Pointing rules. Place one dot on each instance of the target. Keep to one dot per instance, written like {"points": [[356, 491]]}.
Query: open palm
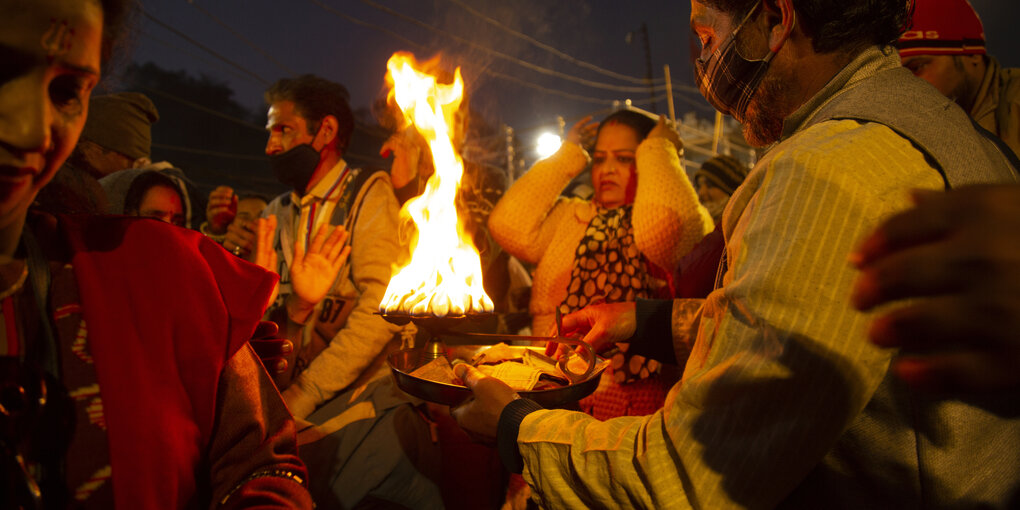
{"points": [[313, 271]]}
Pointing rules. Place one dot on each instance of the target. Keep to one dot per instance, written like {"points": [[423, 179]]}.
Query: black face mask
{"points": [[296, 166], [727, 79]]}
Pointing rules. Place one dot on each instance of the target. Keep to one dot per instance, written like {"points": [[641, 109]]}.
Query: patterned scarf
{"points": [[608, 268]]}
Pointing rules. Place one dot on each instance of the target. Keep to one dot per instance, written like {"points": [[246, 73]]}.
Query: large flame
{"points": [[444, 274]]}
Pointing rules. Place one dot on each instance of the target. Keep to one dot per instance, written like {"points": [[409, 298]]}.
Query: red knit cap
{"points": [[943, 27]]}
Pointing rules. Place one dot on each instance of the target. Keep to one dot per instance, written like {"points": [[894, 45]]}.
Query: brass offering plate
{"points": [[405, 361]]}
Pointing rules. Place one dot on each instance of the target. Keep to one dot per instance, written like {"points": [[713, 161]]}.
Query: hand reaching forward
{"points": [[313, 271], [221, 209], [602, 325], [240, 239], [270, 347]]}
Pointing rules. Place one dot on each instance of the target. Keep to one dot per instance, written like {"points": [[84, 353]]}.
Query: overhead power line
{"points": [[703, 105], [509, 58], [573, 60], [495, 74], [210, 111], [244, 39], [205, 48], [366, 24], [204, 152], [594, 100], [554, 92], [198, 56], [567, 95], [245, 157], [514, 79], [373, 130]]}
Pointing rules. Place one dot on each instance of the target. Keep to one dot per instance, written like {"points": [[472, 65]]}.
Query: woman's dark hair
{"points": [[639, 122], [314, 98], [142, 184], [839, 25]]}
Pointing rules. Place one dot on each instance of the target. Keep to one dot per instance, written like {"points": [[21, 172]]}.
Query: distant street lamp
{"points": [[547, 145]]}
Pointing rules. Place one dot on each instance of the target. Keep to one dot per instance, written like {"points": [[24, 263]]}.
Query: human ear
{"points": [[328, 130], [782, 19]]}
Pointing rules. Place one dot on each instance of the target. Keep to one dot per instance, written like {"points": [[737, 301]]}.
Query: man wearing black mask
{"points": [[327, 301], [325, 304], [783, 402]]}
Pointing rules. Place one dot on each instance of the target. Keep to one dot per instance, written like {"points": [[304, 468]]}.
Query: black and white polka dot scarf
{"points": [[608, 268]]}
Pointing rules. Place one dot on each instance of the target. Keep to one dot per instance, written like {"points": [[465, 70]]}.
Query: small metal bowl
{"points": [[405, 361]]}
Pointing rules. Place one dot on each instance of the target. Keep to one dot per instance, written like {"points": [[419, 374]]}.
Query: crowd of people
{"points": [[831, 326]]}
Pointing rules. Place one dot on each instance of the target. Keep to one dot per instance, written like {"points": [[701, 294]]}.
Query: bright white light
{"points": [[547, 145]]}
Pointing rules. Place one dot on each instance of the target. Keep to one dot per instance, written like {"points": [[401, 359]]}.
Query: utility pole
{"points": [[648, 63], [669, 94], [648, 66]]}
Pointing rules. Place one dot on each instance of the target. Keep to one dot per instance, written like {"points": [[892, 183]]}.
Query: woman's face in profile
{"points": [[49, 63], [614, 165]]}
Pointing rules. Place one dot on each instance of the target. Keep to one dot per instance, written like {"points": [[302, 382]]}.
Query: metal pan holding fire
{"points": [[439, 285], [405, 361]]}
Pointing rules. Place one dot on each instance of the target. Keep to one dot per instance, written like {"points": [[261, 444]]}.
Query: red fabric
{"points": [[639, 398], [268, 492], [697, 271], [165, 308], [943, 27], [10, 327], [473, 476]]}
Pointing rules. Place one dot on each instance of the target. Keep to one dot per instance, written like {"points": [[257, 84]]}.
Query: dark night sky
{"points": [[312, 36]]}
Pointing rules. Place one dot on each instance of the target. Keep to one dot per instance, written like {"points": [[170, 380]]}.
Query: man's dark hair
{"points": [[838, 25], [314, 98]]}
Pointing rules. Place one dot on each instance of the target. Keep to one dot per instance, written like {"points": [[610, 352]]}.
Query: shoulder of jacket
{"points": [[1010, 78]]}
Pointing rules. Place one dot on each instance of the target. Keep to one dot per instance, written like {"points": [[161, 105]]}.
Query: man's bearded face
{"points": [[763, 124]]}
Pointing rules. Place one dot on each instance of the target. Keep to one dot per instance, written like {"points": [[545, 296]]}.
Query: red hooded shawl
{"points": [[165, 308]]}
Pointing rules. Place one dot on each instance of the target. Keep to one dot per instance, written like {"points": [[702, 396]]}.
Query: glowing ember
{"points": [[444, 274]]}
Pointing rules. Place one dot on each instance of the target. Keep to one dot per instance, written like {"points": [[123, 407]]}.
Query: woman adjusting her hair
{"points": [[618, 247]]}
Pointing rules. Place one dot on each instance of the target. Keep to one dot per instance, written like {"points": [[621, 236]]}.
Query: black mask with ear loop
{"points": [[296, 166]]}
